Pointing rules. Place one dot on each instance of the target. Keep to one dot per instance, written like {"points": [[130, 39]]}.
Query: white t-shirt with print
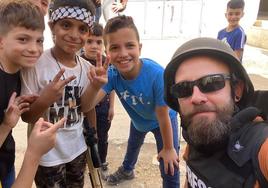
{"points": [[70, 141]]}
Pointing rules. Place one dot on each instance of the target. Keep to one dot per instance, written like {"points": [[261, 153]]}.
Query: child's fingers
{"points": [[58, 75], [170, 169], [28, 98], [91, 74], [99, 60], [10, 109], [24, 110], [66, 81], [38, 125], [107, 62], [12, 99], [23, 107], [57, 125]]}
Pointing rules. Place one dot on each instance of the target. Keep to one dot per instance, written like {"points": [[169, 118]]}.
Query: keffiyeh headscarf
{"points": [[73, 12]]}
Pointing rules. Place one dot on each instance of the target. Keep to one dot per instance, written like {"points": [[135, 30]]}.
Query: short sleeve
{"points": [[158, 89], [29, 81]]}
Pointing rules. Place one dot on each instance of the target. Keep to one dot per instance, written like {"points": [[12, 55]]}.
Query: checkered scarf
{"points": [[73, 12]]}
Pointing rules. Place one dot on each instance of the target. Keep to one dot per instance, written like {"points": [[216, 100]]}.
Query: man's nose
{"points": [[198, 97]]}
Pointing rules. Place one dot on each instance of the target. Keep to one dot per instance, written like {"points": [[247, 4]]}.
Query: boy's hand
{"points": [[43, 137], [16, 107], [118, 7], [170, 158], [98, 75], [53, 91], [29, 98]]}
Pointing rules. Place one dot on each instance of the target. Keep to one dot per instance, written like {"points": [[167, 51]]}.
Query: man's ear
{"points": [[238, 90]]}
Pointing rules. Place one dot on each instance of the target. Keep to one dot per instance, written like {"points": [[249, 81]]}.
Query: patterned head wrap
{"points": [[73, 12]]}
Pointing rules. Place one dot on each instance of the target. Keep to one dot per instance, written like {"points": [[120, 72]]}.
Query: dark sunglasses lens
{"points": [[181, 90], [211, 83]]}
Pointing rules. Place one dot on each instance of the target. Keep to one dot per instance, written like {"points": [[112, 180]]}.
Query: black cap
{"points": [[208, 47]]}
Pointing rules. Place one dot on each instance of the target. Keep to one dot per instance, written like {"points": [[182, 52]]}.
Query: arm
{"points": [[98, 77], [4, 131], [239, 53], [91, 118], [51, 93], [111, 108], [16, 106], [168, 152], [91, 97], [42, 139]]}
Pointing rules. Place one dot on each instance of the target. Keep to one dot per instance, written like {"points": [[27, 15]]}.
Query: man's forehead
{"points": [[196, 67]]}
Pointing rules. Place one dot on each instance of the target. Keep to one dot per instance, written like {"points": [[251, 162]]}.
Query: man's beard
{"points": [[209, 135]]}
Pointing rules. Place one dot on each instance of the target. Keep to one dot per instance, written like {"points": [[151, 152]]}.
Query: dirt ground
{"points": [[146, 172]]}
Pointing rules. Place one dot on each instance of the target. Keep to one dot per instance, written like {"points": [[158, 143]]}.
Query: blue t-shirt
{"points": [[236, 38], [141, 95]]}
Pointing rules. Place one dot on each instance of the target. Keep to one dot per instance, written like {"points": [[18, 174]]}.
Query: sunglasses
{"points": [[205, 84]]}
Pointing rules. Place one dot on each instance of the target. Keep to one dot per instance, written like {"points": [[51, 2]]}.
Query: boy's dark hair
{"points": [[235, 4], [87, 4], [20, 13], [97, 29], [119, 22]]}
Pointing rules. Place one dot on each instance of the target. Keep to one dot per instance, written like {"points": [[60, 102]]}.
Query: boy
{"points": [[234, 34], [21, 44], [60, 77], [42, 4], [104, 109], [139, 86]]}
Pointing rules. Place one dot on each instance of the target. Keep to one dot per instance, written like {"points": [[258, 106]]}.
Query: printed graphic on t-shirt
{"points": [[134, 100], [225, 41], [68, 106]]}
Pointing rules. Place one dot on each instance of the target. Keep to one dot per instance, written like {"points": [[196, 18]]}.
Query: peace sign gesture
{"points": [[98, 74], [53, 91]]}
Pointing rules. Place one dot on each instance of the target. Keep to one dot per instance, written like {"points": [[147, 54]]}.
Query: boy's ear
{"points": [[51, 25], [1, 42], [238, 90], [242, 14], [140, 46]]}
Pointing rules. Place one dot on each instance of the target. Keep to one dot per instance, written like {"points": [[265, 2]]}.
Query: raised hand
{"points": [[43, 136], [16, 106], [117, 7], [98, 74], [53, 91]]}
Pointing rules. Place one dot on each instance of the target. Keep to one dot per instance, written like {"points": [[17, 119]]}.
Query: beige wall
{"points": [[257, 35]]}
